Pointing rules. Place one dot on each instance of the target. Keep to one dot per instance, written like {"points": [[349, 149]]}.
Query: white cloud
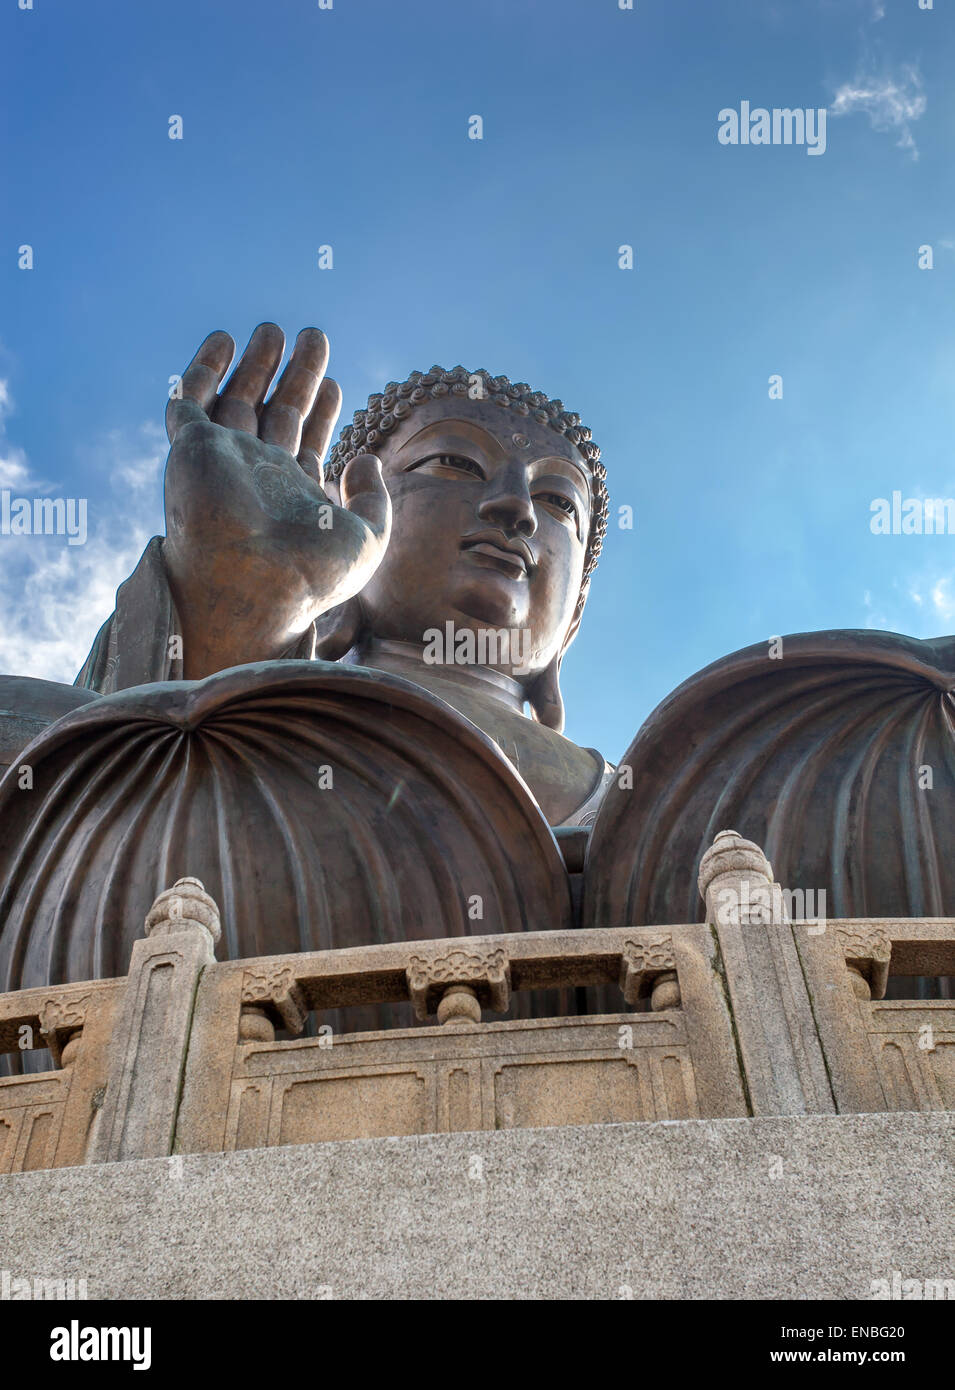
{"points": [[138, 463], [55, 596], [892, 104], [943, 599], [874, 617], [923, 606], [14, 472]]}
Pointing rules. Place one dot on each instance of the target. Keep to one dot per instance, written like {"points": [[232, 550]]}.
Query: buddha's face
{"points": [[491, 519]]}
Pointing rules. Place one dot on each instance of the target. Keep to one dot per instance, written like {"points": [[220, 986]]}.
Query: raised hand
{"points": [[255, 549]]}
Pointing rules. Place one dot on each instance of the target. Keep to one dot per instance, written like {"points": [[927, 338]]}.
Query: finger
{"points": [[241, 399], [281, 419], [200, 382], [364, 493], [319, 428]]}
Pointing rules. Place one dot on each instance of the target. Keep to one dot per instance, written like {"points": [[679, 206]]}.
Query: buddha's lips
{"points": [[511, 561]]}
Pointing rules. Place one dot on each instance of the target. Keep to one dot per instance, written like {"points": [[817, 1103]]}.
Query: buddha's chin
{"points": [[493, 601]]}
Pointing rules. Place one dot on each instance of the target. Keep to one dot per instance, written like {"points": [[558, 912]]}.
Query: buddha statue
{"points": [[278, 705], [456, 505], [332, 693]]}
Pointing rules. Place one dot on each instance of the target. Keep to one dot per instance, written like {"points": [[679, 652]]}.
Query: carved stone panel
{"points": [[485, 1076], [362, 1103], [31, 1115]]}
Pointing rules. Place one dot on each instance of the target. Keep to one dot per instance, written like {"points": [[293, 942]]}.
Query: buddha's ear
{"points": [[544, 697], [575, 620]]}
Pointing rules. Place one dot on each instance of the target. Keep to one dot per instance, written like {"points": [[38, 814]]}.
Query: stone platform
{"points": [[811, 1206]]}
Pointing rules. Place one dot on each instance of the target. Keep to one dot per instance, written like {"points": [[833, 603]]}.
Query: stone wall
{"points": [[795, 1207]]}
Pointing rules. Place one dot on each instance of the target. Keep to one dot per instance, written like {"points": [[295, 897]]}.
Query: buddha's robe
{"points": [[136, 646], [838, 759]]}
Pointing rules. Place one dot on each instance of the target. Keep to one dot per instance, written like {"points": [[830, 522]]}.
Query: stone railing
{"points": [[746, 1014], [48, 1119]]}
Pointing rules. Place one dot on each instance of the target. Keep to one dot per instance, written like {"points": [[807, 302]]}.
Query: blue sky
{"points": [[348, 127]]}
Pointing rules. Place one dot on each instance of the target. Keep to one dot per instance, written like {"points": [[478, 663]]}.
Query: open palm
{"points": [[255, 548]]}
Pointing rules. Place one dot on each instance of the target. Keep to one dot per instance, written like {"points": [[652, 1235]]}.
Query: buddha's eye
{"points": [[562, 503], [455, 463]]}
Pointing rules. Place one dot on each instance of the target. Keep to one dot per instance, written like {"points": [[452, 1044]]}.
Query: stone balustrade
{"points": [[744, 1014]]}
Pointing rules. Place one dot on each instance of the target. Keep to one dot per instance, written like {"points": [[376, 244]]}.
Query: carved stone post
{"points": [[269, 996], [456, 984], [148, 1048], [648, 968], [61, 1027], [779, 1045], [867, 952]]}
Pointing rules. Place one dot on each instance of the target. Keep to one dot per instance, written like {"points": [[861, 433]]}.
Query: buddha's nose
{"points": [[507, 503]]}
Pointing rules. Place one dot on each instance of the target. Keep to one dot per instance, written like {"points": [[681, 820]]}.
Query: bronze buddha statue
{"points": [[499, 507], [299, 629]]}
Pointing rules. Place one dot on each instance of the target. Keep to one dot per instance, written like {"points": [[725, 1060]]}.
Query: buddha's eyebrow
{"points": [[505, 445], [582, 478], [461, 441], [451, 421]]}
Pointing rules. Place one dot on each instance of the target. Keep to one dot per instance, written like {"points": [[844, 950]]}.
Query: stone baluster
{"points": [[271, 996], [255, 1025], [779, 1045], [70, 1048], [149, 1045], [867, 952], [648, 968], [666, 992], [459, 1004], [61, 1027], [455, 984]]}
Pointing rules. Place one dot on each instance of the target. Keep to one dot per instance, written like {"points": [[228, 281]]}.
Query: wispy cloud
{"points": [[14, 471], [891, 104], [136, 463], [55, 596], [923, 606], [943, 598]]}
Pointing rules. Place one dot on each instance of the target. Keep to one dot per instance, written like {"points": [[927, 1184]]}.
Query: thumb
{"points": [[363, 492], [181, 411]]}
